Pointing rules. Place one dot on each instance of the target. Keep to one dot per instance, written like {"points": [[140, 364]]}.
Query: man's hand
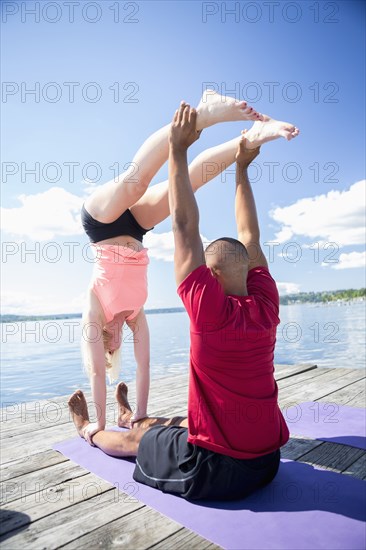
{"points": [[243, 155], [183, 128]]}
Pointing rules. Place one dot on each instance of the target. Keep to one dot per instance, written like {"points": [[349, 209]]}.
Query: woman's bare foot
{"points": [[214, 108], [79, 411], [267, 130], [124, 409]]}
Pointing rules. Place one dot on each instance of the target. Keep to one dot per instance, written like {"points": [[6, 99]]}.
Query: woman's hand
{"points": [[90, 430]]}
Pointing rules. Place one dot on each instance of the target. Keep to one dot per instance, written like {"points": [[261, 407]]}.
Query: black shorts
{"points": [[166, 461]]}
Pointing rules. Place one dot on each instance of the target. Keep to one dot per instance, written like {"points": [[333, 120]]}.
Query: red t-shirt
{"points": [[232, 401]]}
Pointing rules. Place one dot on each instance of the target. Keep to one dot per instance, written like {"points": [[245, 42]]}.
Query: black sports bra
{"points": [[126, 224]]}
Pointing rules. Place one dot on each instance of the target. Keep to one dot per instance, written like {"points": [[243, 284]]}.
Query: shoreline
{"points": [[9, 318], [284, 301]]}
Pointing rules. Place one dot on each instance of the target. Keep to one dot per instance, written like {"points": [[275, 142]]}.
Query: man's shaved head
{"points": [[227, 256]]}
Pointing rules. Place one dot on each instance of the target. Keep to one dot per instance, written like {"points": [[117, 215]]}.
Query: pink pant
{"points": [[120, 279]]}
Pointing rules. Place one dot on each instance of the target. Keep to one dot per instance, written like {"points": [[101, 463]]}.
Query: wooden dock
{"points": [[50, 502]]}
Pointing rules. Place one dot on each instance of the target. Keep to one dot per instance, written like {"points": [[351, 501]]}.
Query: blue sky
{"points": [[302, 62]]}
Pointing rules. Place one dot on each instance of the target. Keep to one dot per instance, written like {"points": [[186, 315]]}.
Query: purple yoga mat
{"points": [[327, 422], [303, 508]]}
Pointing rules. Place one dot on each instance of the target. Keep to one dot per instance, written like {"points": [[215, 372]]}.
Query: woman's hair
{"points": [[112, 360]]}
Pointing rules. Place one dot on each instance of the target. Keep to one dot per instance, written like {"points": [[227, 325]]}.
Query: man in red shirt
{"points": [[229, 444]]}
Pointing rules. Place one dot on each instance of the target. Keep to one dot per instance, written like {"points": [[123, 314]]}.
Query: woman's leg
{"points": [[141, 337], [153, 207], [111, 199]]}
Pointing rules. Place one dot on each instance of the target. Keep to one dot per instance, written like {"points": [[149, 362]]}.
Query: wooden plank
{"points": [[23, 445], [142, 529], [332, 456], [357, 468], [288, 371], [289, 382], [32, 463], [358, 401], [159, 401], [173, 410], [296, 447], [43, 503], [183, 539], [39, 481], [72, 522], [320, 386], [346, 395]]}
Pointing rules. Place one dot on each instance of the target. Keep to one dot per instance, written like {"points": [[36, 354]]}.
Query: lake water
{"points": [[41, 359]]}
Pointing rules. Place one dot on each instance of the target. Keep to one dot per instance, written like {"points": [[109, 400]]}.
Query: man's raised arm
{"points": [[245, 210], [188, 254]]}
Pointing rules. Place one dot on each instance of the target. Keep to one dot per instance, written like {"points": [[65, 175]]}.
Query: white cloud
{"points": [[77, 304], [43, 216], [338, 216], [284, 235], [161, 245], [17, 303], [349, 261], [89, 186], [22, 303], [288, 288]]}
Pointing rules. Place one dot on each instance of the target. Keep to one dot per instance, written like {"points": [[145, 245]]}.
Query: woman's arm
{"points": [[95, 363], [141, 340]]}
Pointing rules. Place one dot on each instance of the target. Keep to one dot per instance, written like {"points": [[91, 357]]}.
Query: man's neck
{"points": [[236, 290]]}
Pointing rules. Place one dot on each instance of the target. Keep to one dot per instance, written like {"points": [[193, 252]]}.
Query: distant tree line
{"points": [[57, 316], [324, 296]]}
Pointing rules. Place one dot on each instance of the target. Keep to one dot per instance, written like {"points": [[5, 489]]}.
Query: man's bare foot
{"points": [[136, 420], [79, 411], [267, 130], [214, 108], [124, 409]]}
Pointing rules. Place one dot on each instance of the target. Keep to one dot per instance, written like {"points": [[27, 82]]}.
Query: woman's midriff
{"points": [[124, 240], [119, 278]]}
